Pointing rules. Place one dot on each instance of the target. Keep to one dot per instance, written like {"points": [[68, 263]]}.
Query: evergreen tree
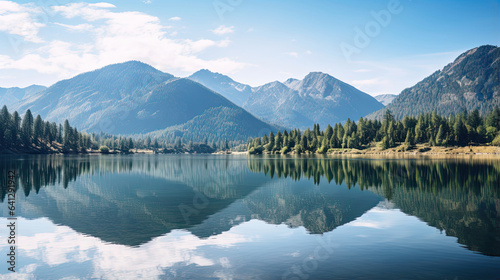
{"points": [[270, 145], [265, 140], [278, 142], [460, 132], [304, 142], [441, 137], [27, 129], [328, 132], [67, 136], [38, 129], [5, 125]]}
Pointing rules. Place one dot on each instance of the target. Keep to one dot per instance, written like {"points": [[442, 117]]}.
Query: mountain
{"points": [[236, 92], [471, 82], [85, 99], [185, 108], [385, 99], [135, 98], [10, 96], [318, 98]]}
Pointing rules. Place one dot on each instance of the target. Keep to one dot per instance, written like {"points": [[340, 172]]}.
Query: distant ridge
{"points": [[470, 82], [10, 96], [318, 98], [236, 92], [385, 99]]}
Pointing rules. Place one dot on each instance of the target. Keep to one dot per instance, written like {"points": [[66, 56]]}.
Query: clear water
{"points": [[239, 217]]}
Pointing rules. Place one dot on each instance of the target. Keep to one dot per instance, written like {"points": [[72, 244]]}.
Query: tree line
{"points": [[34, 135], [458, 130]]}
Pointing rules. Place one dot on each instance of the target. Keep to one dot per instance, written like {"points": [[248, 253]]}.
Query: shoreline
{"points": [[419, 151]]}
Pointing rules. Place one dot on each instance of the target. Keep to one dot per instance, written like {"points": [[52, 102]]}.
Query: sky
{"points": [[378, 46]]}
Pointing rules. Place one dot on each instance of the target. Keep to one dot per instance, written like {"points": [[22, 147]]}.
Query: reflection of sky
{"points": [[382, 240]]}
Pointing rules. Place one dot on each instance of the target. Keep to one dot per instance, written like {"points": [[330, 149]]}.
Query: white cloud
{"points": [[115, 37], [102, 5], [308, 52], [17, 19], [294, 54], [174, 18], [250, 29], [78, 27], [221, 30]]}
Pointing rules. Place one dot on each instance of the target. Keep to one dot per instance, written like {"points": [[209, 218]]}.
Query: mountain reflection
{"points": [[131, 199]]}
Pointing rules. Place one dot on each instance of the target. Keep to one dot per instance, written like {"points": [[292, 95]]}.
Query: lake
{"points": [[251, 217]]}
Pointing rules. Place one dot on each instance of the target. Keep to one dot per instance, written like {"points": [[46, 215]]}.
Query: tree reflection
{"points": [[109, 196]]}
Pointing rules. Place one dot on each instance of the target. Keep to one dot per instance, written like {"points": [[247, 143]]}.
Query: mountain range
{"points": [[135, 98], [318, 98], [10, 96], [470, 82]]}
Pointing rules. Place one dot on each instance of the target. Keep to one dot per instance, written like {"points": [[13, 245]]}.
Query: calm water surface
{"points": [[239, 217]]}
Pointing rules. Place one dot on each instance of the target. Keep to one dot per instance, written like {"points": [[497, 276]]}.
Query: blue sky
{"points": [[377, 46]]}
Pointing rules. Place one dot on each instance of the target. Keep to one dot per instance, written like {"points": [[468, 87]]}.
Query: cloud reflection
{"points": [[63, 245]]}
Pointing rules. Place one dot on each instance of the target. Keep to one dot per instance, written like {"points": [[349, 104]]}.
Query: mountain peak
{"points": [[317, 75], [132, 64], [222, 84], [207, 73], [469, 82], [292, 83]]}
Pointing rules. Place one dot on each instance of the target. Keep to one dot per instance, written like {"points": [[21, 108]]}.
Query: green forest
{"points": [[31, 134], [34, 135], [456, 130]]}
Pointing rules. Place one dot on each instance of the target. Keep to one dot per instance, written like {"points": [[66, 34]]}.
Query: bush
{"points": [[285, 150], [299, 149], [496, 141], [104, 149], [384, 144], [322, 150], [256, 151]]}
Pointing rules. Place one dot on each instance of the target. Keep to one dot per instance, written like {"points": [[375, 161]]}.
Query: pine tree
{"points": [[441, 137], [67, 136], [304, 142], [16, 127], [278, 142], [409, 141], [265, 140], [328, 132], [474, 120], [270, 144], [38, 129], [5, 125], [27, 129], [460, 132]]}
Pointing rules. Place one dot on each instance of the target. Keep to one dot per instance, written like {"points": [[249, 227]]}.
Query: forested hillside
{"points": [[34, 135], [462, 129], [471, 82]]}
